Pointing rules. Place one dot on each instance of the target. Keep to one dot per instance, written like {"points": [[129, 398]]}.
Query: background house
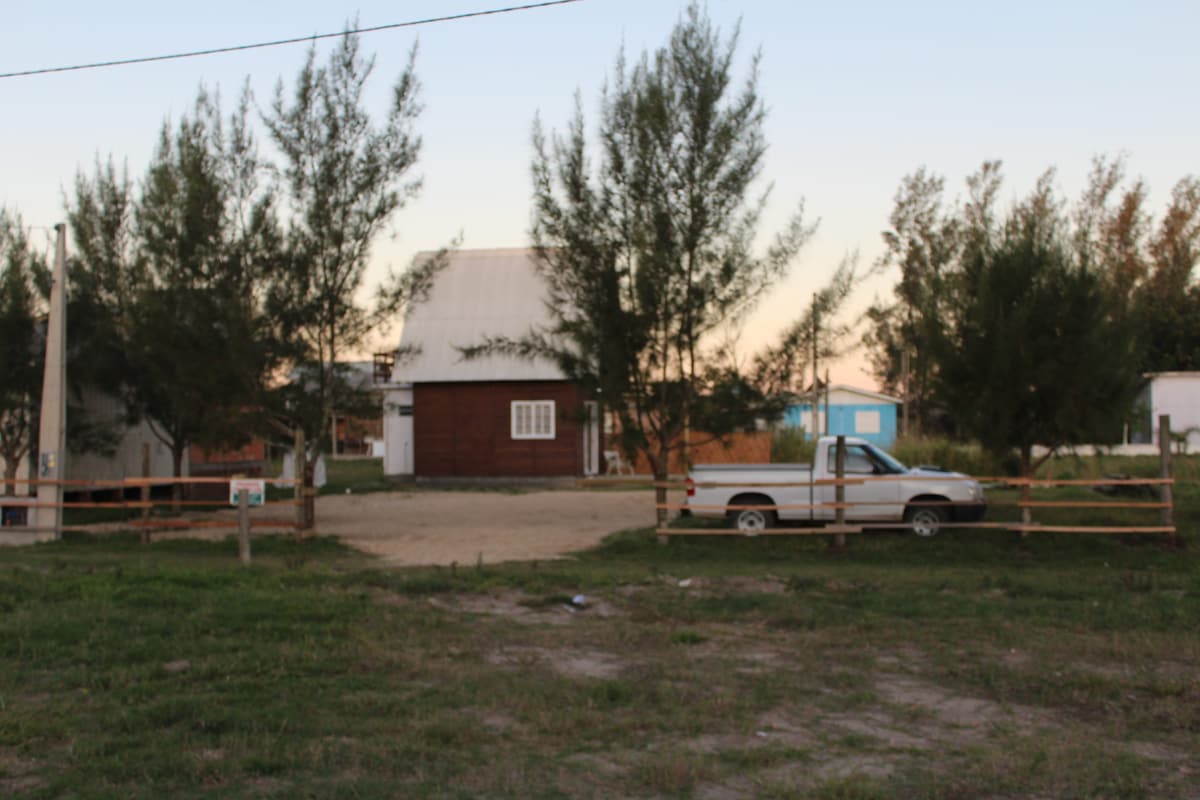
{"points": [[1173, 393], [494, 417], [851, 411], [123, 459]]}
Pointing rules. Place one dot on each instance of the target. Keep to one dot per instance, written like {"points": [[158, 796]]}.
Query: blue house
{"points": [[850, 411]]}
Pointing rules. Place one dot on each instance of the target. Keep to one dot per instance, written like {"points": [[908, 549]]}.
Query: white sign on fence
{"points": [[255, 487]]}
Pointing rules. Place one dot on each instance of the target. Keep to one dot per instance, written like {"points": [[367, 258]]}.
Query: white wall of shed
{"points": [[398, 432], [126, 459], [1178, 395]]}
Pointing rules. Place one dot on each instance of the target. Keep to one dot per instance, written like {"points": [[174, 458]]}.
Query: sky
{"points": [[858, 95]]}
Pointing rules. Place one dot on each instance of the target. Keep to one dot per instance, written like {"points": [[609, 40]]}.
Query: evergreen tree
{"points": [[1167, 307], [344, 178], [189, 332], [650, 252], [22, 349], [1035, 354], [923, 243]]}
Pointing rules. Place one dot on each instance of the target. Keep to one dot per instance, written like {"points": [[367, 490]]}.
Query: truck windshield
{"points": [[892, 464]]}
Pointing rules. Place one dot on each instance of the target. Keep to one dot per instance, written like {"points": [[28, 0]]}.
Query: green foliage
{"points": [[966, 457], [170, 279], [792, 446], [344, 177], [923, 243], [780, 371], [1167, 303], [21, 347], [1035, 353], [1141, 274]]}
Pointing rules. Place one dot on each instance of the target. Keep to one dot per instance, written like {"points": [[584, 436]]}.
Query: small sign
{"points": [[255, 487]]}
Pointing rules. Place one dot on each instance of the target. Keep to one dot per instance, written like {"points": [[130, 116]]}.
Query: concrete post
{"points": [[51, 449]]}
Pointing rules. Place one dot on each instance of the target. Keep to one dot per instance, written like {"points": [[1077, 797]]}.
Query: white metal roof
{"points": [[480, 294], [839, 391]]}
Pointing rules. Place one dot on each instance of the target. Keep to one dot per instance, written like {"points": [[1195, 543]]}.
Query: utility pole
{"points": [[53, 425], [904, 380], [827, 401]]}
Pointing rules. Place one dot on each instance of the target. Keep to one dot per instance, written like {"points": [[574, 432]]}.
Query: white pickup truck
{"points": [[881, 489]]}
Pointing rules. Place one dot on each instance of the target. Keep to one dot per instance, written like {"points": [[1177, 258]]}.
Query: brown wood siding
{"points": [[464, 430]]}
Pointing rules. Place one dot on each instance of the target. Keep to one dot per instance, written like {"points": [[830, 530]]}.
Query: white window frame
{"points": [[532, 419]]}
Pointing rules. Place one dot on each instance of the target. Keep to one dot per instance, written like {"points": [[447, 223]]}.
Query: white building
{"points": [[1176, 394]]}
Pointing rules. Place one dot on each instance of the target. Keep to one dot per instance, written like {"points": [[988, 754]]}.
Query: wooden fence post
{"points": [[244, 526], [1164, 463], [839, 516], [145, 493]]}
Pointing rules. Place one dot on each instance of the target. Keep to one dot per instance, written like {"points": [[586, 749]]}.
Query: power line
{"points": [[294, 40]]}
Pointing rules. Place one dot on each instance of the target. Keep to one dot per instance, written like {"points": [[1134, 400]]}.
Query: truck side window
{"points": [[858, 461]]}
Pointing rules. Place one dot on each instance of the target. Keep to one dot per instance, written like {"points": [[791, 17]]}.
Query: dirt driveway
{"points": [[441, 527]]}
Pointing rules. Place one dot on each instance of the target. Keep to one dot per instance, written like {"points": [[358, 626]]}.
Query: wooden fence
{"points": [[143, 502]]}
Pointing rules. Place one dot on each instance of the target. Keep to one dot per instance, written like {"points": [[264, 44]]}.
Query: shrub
{"points": [[966, 457], [791, 446]]}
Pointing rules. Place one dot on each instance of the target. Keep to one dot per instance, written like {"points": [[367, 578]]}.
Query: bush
{"points": [[791, 446], [966, 457]]}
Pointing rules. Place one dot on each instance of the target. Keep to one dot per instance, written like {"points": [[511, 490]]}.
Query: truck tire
{"points": [[752, 521], [924, 520]]}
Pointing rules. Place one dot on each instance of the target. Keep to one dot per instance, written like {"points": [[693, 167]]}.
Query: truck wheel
{"points": [[925, 520], [752, 521]]}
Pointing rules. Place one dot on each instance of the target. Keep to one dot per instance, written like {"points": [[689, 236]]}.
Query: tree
{"points": [[196, 363], [167, 308], [819, 333], [1168, 305], [651, 251], [102, 270], [1035, 353], [21, 347], [344, 177], [923, 243]]}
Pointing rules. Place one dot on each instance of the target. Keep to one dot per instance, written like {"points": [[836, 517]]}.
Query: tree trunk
{"points": [[10, 475], [1026, 489], [310, 493], [660, 465]]}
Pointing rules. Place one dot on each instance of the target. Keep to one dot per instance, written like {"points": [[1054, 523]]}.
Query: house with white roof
{"points": [[491, 417], [847, 410]]}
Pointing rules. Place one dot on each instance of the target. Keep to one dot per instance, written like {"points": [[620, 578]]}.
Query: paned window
{"points": [[533, 419]]}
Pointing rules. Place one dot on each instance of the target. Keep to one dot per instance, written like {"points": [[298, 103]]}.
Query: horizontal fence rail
{"points": [[145, 504], [1023, 526]]}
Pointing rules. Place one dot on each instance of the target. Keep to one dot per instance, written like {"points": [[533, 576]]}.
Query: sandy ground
{"points": [[441, 527]]}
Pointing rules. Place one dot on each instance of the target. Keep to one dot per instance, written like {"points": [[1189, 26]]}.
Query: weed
{"points": [[688, 637]]}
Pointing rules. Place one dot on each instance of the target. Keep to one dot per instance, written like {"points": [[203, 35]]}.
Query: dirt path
{"points": [[434, 527]]}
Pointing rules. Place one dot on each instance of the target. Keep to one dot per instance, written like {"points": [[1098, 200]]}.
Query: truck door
{"points": [[875, 498]]}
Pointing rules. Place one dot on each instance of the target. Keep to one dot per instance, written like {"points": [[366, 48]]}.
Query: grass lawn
{"points": [[974, 664]]}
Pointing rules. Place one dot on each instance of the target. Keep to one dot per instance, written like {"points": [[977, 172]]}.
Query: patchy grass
{"points": [[966, 665]]}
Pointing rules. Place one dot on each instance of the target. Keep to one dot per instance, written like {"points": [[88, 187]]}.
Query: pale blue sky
{"points": [[859, 95]]}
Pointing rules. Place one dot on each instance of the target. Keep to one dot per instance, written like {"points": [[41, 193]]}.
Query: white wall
{"points": [[126, 460], [1177, 394], [398, 431]]}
